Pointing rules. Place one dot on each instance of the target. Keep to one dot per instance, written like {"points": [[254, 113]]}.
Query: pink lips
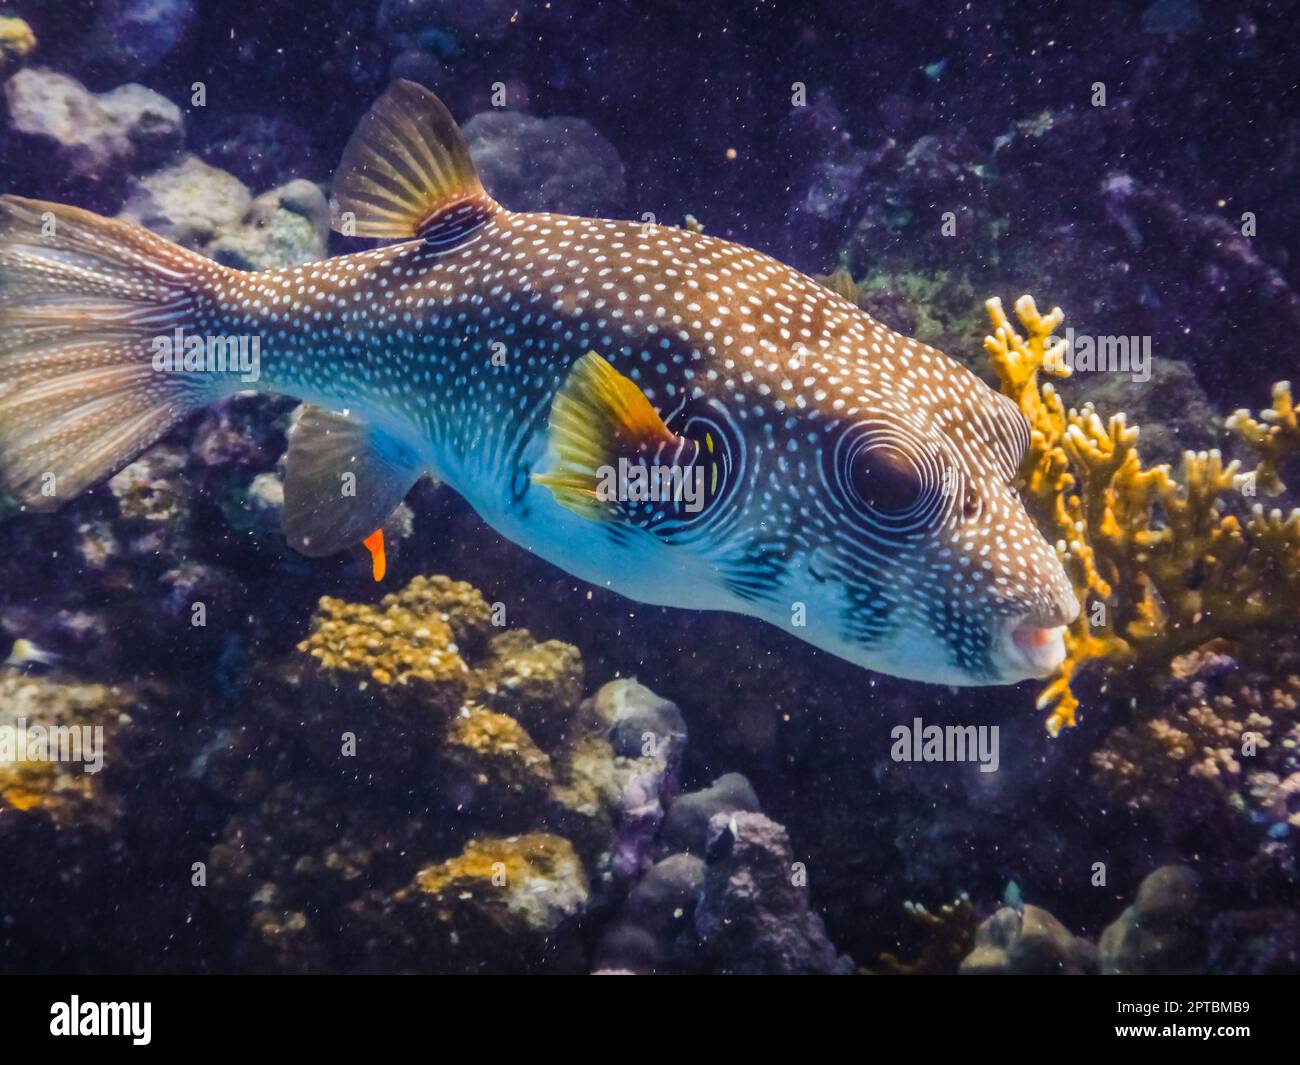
{"points": [[1040, 650]]}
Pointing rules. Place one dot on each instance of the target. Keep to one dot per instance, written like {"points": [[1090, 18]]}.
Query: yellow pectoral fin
{"points": [[597, 417]]}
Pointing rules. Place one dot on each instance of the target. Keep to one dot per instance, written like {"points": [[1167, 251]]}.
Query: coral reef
{"points": [[677, 916], [949, 934], [476, 839], [86, 145], [1028, 941], [1215, 760], [54, 740], [1161, 565], [935, 306], [1163, 932], [753, 915], [209, 210], [512, 804], [501, 905], [1173, 927], [403, 651]]}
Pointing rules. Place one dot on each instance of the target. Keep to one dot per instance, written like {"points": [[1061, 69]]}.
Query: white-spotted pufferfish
{"points": [[852, 486]]}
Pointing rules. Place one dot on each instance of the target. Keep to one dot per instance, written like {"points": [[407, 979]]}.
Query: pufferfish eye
{"points": [[885, 479], [889, 481]]}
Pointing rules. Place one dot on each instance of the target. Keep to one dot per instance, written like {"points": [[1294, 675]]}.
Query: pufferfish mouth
{"points": [[1035, 648]]}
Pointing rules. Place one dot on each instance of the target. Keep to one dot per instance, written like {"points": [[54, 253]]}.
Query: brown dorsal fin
{"points": [[406, 173]]}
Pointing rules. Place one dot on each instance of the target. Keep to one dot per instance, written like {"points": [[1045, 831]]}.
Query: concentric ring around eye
{"points": [[723, 463], [1008, 434], [887, 478]]}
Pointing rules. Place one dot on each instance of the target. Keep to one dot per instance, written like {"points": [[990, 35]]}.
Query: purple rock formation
{"points": [[686, 828], [753, 917]]}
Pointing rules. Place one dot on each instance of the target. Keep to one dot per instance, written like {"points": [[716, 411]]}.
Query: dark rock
{"points": [[1163, 931], [753, 917], [638, 717], [448, 25], [648, 736], [686, 826], [654, 930], [261, 150]]}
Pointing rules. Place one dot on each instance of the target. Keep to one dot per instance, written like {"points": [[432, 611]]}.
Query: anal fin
{"points": [[343, 478]]}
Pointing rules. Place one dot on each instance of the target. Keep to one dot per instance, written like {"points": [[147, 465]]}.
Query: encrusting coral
{"points": [[408, 652], [480, 804], [1163, 565], [514, 888], [51, 769], [1215, 761]]}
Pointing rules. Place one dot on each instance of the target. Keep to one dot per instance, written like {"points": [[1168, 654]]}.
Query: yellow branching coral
{"points": [[1161, 566], [1275, 436], [950, 934]]}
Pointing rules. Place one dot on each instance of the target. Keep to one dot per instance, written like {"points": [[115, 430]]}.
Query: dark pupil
{"points": [[885, 480]]}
